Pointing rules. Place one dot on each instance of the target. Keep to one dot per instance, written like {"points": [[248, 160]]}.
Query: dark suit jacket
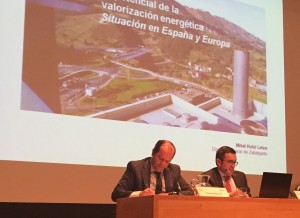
{"points": [[238, 177], [137, 178]]}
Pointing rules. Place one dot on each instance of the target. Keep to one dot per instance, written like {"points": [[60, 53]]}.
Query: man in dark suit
{"points": [[225, 175], [152, 175]]}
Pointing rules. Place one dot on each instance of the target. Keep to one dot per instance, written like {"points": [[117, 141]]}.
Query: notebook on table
{"points": [[275, 185]]}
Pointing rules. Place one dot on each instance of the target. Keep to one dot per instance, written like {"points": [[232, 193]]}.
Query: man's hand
{"points": [[147, 192]]}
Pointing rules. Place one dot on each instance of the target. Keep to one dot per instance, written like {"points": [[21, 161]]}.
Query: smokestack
{"points": [[240, 84]]}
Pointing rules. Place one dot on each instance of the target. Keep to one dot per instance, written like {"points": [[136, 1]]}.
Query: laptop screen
{"points": [[275, 185]]}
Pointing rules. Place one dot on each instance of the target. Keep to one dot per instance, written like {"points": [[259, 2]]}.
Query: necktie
{"points": [[227, 184], [158, 188]]}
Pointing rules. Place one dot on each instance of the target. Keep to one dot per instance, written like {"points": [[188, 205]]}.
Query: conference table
{"points": [[179, 206]]}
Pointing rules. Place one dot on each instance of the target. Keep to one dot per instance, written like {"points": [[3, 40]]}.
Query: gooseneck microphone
{"points": [[178, 192], [178, 189]]}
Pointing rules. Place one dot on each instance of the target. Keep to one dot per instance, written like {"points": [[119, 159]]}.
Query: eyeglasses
{"points": [[231, 162]]}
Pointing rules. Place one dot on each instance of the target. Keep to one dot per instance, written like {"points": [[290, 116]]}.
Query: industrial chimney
{"points": [[240, 84]]}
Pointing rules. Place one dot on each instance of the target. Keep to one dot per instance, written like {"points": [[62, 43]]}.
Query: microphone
{"points": [[178, 189], [178, 192]]}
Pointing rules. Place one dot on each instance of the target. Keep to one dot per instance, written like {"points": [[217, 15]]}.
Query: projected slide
{"points": [[104, 75], [157, 62]]}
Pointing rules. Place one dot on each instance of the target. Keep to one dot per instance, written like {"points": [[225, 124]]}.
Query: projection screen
{"points": [[99, 82]]}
